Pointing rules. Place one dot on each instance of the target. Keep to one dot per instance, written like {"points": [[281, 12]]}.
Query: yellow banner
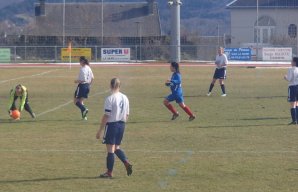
{"points": [[75, 54]]}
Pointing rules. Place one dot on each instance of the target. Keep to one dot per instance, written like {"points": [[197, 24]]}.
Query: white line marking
{"points": [[29, 76], [148, 151], [67, 103]]}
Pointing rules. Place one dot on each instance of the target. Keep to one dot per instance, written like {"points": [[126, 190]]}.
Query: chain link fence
{"points": [[52, 54]]}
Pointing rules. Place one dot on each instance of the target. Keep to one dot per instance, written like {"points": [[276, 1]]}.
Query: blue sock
{"points": [[293, 114], [110, 161], [296, 113], [82, 107], [121, 155]]}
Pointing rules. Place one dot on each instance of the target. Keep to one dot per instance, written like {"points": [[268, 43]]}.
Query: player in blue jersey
{"points": [[221, 62], [292, 78], [177, 93], [84, 82], [116, 111]]}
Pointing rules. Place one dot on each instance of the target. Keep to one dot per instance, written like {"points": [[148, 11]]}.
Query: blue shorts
{"points": [[293, 93], [82, 91], [220, 73], [114, 133], [175, 97]]}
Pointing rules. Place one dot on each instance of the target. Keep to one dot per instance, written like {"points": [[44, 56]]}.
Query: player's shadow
{"points": [[46, 179], [263, 118], [232, 126]]}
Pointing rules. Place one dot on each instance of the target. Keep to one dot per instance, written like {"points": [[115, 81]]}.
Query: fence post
{"points": [[15, 54], [56, 54]]}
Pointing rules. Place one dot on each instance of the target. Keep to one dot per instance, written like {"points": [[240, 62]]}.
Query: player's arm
{"points": [[176, 80], [225, 61], [103, 123], [11, 99], [289, 76]]}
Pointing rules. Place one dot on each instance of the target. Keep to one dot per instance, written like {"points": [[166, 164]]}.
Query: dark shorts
{"points": [[293, 93], [114, 133], [82, 91], [220, 73], [175, 97]]}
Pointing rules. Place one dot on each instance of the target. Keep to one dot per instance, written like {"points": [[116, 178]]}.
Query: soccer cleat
{"points": [[191, 118], [106, 175], [209, 93], [175, 116], [128, 169], [223, 95], [293, 123], [85, 119], [84, 114], [33, 115]]}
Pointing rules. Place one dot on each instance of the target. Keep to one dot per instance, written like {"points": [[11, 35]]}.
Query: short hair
{"points": [[295, 59], [115, 83], [84, 60]]}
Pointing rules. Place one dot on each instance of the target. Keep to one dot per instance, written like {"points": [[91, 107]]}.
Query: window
{"points": [[292, 31], [264, 29]]}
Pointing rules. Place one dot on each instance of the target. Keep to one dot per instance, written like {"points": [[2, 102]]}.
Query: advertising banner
{"points": [[5, 55], [239, 54], [115, 54], [277, 54], [75, 54]]}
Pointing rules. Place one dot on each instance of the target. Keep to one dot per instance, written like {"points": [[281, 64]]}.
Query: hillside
{"points": [[197, 16]]}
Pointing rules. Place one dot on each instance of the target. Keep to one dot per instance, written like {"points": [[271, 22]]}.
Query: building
{"points": [[95, 23], [264, 22]]}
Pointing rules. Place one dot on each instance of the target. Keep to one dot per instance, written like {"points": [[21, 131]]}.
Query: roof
{"points": [[85, 19], [263, 4]]}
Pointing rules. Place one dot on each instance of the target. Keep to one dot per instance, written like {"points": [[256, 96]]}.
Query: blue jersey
{"points": [[176, 83]]}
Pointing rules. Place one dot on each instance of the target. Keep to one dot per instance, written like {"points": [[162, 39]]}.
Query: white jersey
{"points": [[86, 74], [117, 107], [292, 76], [221, 61]]}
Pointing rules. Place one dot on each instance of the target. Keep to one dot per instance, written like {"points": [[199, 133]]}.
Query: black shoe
{"points": [[293, 123], [191, 118], [105, 175], [128, 169], [175, 116]]}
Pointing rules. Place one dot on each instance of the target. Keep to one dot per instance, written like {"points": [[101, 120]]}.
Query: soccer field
{"points": [[238, 143]]}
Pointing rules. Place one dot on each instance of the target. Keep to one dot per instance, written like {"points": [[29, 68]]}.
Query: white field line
{"points": [[28, 76], [67, 103], [151, 151]]}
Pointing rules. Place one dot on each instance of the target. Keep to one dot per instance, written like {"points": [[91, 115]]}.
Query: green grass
{"points": [[240, 143]]}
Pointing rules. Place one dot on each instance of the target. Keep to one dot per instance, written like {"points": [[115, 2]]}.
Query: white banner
{"points": [[115, 54], [277, 54]]}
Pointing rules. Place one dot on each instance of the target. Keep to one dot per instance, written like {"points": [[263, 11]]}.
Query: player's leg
{"points": [[28, 108], [119, 152], [292, 99], [79, 99], [109, 141], [293, 112], [187, 110], [222, 86], [211, 86], [168, 105], [110, 160]]}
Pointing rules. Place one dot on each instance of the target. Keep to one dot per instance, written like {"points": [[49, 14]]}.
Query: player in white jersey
{"points": [[292, 78], [116, 111], [84, 81], [221, 62]]}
